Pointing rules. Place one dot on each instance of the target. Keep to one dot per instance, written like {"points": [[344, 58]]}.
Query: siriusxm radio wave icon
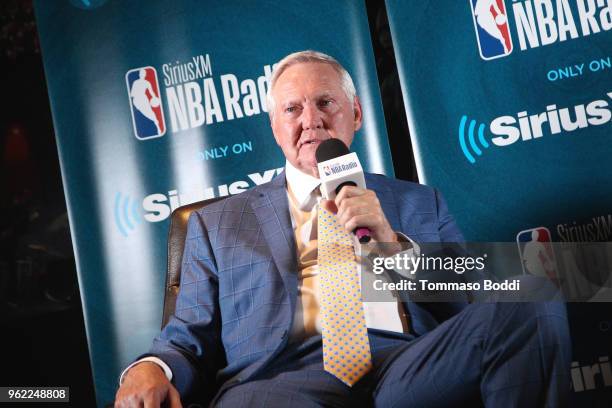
{"points": [[126, 214], [471, 138]]}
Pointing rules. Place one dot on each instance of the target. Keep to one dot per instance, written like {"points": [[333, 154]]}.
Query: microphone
{"points": [[338, 167]]}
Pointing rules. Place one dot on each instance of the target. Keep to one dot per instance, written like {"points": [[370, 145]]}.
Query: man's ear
{"points": [[358, 113]]}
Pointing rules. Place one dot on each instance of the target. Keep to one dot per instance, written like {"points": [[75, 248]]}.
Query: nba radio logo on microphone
{"points": [[492, 28], [145, 103]]}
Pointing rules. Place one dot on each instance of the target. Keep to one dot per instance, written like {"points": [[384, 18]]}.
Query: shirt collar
{"points": [[301, 185]]}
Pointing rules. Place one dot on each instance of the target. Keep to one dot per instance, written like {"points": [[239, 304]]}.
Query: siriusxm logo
{"points": [[509, 129], [126, 214], [146, 106], [129, 213], [597, 229], [471, 138], [592, 376], [537, 23]]}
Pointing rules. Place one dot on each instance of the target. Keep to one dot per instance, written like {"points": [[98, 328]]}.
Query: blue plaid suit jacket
{"points": [[239, 281]]}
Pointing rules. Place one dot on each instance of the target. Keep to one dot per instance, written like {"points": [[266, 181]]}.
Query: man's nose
{"points": [[312, 117]]}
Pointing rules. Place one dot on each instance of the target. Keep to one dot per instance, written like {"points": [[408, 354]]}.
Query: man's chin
{"points": [[307, 163], [307, 153], [309, 168]]}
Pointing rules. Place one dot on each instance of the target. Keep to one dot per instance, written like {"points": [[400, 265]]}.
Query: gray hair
{"points": [[309, 56]]}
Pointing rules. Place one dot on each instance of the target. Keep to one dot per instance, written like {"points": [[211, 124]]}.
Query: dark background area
{"points": [[44, 341]]}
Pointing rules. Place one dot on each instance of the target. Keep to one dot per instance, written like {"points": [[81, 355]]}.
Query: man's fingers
{"points": [[330, 206], [345, 215], [152, 400], [366, 220], [127, 400], [357, 198], [357, 207], [347, 192], [145, 386], [174, 399]]}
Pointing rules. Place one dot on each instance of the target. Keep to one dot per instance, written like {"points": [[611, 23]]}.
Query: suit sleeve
{"points": [[191, 341], [449, 232], [448, 229]]}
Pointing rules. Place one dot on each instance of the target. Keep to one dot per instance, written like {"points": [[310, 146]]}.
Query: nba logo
{"points": [[536, 252], [143, 93], [326, 170], [492, 28]]}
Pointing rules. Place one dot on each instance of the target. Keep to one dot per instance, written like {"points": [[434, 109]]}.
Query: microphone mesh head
{"points": [[330, 149]]}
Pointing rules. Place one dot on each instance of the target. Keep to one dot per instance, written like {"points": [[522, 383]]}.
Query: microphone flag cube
{"points": [[339, 171]]}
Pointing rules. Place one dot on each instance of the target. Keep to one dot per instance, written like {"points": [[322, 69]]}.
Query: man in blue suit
{"points": [[246, 330]]}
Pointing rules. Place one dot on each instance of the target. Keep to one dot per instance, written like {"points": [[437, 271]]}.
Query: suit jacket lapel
{"points": [[271, 207]]}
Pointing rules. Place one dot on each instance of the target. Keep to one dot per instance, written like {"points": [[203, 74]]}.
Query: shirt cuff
{"points": [[158, 361], [413, 250]]}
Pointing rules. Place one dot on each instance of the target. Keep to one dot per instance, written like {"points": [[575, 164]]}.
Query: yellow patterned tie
{"points": [[346, 349]]}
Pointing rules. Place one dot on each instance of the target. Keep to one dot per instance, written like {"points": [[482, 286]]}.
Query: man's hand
{"points": [[145, 385], [358, 207]]}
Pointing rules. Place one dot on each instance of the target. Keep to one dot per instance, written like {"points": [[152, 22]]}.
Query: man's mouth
{"points": [[310, 142]]}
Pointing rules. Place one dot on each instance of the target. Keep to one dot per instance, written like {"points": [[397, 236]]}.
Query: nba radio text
{"points": [[196, 98], [545, 22]]}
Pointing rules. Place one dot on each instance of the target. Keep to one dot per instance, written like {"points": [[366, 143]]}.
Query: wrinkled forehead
{"points": [[310, 79]]}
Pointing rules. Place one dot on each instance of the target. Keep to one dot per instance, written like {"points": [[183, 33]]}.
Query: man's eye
{"points": [[290, 109], [325, 102]]}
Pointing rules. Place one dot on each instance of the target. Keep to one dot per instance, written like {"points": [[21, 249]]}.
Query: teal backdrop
{"points": [[509, 108], [554, 180], [157, 104]]}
